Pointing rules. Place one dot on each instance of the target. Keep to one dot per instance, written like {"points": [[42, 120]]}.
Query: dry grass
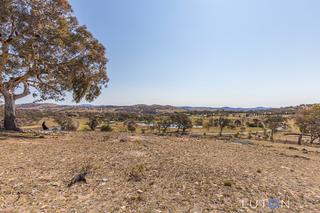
{"points": [[153, 174]]}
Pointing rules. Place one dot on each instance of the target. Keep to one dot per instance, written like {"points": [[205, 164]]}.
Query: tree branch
{"points": [[12, 30], [25, 92]]}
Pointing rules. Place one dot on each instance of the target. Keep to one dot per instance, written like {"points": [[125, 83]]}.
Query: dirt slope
{"points": [[134, 173]]}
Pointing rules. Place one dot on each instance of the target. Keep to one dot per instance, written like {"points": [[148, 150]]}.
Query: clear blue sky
{"points": [[208, 52]]}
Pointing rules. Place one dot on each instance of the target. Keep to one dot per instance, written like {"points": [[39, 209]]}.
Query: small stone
{"points": [[54, 184], [227, 183]]}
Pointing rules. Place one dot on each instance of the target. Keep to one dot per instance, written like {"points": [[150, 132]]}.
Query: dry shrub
{"points": [[66, 123], [135, 173], [105, 128]]}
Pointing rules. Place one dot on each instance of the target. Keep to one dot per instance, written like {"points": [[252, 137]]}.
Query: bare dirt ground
{"points": [[136, 173]]}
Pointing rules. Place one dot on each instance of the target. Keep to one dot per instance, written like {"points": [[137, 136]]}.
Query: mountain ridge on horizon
{"points": [[151, 106]]}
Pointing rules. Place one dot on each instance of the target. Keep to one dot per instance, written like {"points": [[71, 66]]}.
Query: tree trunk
{"points": [[313, 139], [272, 133], [300, 139], [220, 133], [10, 113]]}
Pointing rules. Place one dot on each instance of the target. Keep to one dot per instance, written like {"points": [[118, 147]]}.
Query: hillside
{"points": [[147, 173]]}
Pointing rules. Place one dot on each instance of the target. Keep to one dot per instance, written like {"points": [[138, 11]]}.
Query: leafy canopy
{"points": [[42, 46]]}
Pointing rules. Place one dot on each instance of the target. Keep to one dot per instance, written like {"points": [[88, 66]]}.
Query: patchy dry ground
{"points": [[134, 173]]}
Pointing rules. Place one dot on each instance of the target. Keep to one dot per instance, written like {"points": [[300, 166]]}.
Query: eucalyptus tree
{"points": [[222, 122], [45, 52], [308, 121], [273, 123]]}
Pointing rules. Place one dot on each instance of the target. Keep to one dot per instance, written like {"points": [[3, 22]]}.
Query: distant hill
{"points": [[238, 109], [139, 108]]}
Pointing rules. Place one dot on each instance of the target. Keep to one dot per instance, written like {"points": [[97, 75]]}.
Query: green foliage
{"points": [[106, 128], [44, 50], [237, 123], [273, 123], [66, 123], [182, 121], [308, 121], [131, 126], [222, 123], [163, 123], [198, 121], [93, 123], [136, 172], [64, 55]]}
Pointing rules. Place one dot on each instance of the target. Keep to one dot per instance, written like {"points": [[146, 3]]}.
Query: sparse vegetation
{"points": [[105, 128], [181, 121], [158, 158], [46, 58], [66, 123], [222, 123], [308, 121], [93, 123], [131, 126], [136, 172], [273, 123]]}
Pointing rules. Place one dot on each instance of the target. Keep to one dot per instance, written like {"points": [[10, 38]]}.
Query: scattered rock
{"points": [[81, 177], [293, 148], [55, 184], [122, 140], [227, 183], [302, 157]]}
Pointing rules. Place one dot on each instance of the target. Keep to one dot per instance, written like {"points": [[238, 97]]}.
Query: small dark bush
{"points": [[131, 126], [106, 128], [135, 173], [93, 123], [66, 123]]}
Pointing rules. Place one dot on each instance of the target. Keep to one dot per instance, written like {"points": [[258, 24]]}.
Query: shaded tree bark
{"points": [[271, 136], [10, 113], [300, 139], [220, 132], [10, 98]]}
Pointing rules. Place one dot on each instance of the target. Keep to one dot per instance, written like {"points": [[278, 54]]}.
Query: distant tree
{"points": [[44, 50], [131, 126], [211, 122], [222, 123], [273, 123], [148, 119], [256, 122], [105, 128], [308, 121], [93, 123], [198, 122], [206, 125], [237, 123], [66, 123], [163, 123], [242, 129], [182, 121]]}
